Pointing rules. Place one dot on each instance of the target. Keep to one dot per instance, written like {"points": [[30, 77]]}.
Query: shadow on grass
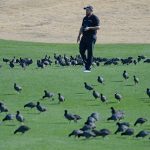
{"points": [[79, 93], [112, 102], [144, 98], [10, 125], [58, 123], [129, 85], [117, 81], [9, 94]]}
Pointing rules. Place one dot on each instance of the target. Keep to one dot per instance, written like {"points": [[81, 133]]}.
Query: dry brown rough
{"points": [[58, 21]]}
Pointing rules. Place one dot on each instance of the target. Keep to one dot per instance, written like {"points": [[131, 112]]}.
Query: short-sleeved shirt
{"points": [[91, 21]]}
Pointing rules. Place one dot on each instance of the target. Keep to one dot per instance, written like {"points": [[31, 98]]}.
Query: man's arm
{"points": [[80, 33], [92, 28]]}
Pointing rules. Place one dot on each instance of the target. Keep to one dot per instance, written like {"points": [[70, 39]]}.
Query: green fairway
{"points": [[49, 130]]}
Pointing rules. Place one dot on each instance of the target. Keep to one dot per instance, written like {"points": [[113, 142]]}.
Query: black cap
{"points": [[89, 7]]}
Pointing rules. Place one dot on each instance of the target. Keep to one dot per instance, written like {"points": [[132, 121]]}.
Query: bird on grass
{"points": [[22, 129], [30, 105], [148, 92], [76, 133], [95, 115], [128, 132], [118, 97], [3, 108], [125, 75], [113, 111], [100, 79], [121, 127], [87, 134], [95, 94], [136, 80], [102, 132], [40, 108], [88, 87], [11, 64], [8, 117], [47, 94], [118, 115], [103, 98], [71, 117], [19, 117], [17, 88], [140, 121], [61, 98], [142, 134]]}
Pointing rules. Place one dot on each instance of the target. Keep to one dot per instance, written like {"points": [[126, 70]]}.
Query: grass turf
{"points": [[49, 130]]}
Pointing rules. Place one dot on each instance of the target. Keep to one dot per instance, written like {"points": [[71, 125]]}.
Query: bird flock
{"points": [[63, 60], [89, 128]]}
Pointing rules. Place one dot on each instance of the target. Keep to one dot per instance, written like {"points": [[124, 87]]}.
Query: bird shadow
{"points": [[94, 85], [117, 81], [10, 125], [58, 123], [93, 105], [111, 102], [143, 98], [9, 94], [129, 85], [79, 93], [31, 113]]}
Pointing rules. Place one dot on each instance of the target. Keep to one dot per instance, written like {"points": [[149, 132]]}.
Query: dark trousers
{"points": [[87, 44]]}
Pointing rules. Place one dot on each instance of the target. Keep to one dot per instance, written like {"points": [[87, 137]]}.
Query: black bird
{"points": [[103, 98], [30, 105], [8, 117], [6, 60], [22, 129], [148, 92], [87, 134], [88, 126], [117, 116], [121, 127], [76, 133], [11, 64], [100, 79], [142, 134], [17, 88], [40, 108], [3, 108], [96, 94], [128, 132], [61, 98], [95, 115], [136, 79], [70, 117], [19, 117], [113, 111], [47, 94], [87, 87], [125, 75], [102, 132], [118, 97], [140, 121]]}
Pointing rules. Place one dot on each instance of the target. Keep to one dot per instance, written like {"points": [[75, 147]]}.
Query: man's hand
{"points": [[78, 39], [87, 28]]}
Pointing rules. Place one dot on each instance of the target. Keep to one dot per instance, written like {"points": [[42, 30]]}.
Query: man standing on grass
{"points": [[88, 30]]}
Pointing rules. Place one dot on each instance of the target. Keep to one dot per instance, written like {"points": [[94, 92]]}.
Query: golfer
{"points": [[88, 30]]}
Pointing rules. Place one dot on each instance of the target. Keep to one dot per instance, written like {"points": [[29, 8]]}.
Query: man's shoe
{"points": [[87, 71]]}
